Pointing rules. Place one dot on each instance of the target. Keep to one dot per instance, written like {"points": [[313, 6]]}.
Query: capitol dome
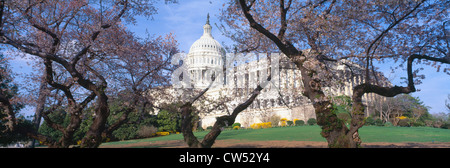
{"points": [[205, 54], [206, 51]]}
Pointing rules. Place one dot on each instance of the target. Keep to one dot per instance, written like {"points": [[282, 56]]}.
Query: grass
{"points": [[404, 134], [312, 133]]}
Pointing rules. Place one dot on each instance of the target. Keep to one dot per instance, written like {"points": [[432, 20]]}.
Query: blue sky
{"points": [[186, 19]]}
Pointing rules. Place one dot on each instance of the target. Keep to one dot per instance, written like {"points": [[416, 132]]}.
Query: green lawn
{"points": [[312, 133]]}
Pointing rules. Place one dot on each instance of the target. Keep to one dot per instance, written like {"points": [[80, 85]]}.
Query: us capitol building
{"points": [[281, 97]]}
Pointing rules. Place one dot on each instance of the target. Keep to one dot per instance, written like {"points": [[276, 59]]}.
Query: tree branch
{"points": [[94, 35], [360, 90], [381, 35], [287, 48]]}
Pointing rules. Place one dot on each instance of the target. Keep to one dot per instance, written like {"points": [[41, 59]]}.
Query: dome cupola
{"points": [[206, 46], [205, 53]]}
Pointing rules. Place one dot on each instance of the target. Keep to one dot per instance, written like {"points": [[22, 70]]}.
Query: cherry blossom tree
{"points": [[140, 66], [313, 34], [72, 39]]}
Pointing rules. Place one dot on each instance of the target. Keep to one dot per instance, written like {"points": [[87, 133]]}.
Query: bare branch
{"points": [[287, 48], [382, 34], [94, 35]]}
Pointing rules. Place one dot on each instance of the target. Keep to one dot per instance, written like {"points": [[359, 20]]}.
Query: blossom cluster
{"points": [[261, 125]]}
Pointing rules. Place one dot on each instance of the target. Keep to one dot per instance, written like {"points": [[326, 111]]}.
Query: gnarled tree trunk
{"points": [[93, 137]]}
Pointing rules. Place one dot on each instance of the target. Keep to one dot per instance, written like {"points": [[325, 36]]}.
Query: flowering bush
{"points": [[267, 125], [402, 117], [283, 122], [261, 125], [162, 133]]}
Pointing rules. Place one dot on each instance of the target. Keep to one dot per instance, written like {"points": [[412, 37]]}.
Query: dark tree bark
{"points": [[10, 115], [43, 89], [93, 137]]}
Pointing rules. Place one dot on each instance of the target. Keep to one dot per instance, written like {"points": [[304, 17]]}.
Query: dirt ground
{"points": [[277, 144]]}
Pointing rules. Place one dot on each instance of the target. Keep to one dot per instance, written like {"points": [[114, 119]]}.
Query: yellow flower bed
{"points": [[402, 117], [162, 133], [261, 125]]}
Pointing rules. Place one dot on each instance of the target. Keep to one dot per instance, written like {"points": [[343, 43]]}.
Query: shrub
{"points": [[283, 122], [404, 123], [275, 120], [402, 117], [255, 126], [299, 122], [162, 133], [261, 125], [437, 124], [147, 131], [388, 124], [267, 125], [446, 125], [378, 122], [429, 123], [125, 132], [417, 124], [289, 123], [236, 127], [312, 121], [200, 128], [370, 121], [236, 124], [168, 121]]}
